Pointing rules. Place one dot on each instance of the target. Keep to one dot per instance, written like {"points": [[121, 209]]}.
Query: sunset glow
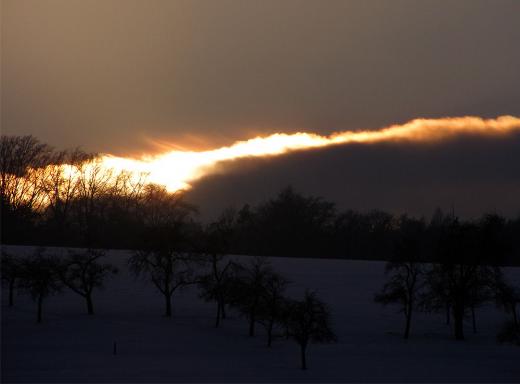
{"points": [[178, 169]]}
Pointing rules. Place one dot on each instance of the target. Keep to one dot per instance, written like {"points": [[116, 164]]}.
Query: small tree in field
{"points": [[83, 272], [248, 287], [11, 270], [164, 254], [40, 278], [460, 278], [402, 289], [507, 297], [215, 285], [308, 321], [406, 272], [167, 269], [271, 308]]}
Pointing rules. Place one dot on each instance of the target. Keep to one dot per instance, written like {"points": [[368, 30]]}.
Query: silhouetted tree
{"points": [[40, 278], [93, 186], [493, 246], [82, 272], [507, 297], [216, 243], [11, 273], [22, 159], [164, 254], [288, 225], [494, 241], [167, 269], [248, 287], [350, 233], [308, 321], [407, 271], [61, 188], [380, 233], [271, 304], [460, 278], [217, 285]]}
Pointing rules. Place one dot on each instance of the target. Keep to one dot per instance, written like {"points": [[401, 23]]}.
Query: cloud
{"points": [[472, 174], [178, 169]]}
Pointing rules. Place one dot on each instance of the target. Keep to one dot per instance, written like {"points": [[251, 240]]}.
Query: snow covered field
{"points": [[71, 346]]}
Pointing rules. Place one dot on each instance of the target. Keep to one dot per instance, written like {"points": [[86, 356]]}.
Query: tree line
{"points": [[67, 198]]}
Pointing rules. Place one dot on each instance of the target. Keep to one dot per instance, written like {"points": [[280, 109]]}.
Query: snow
{"points": [[71, 346]]}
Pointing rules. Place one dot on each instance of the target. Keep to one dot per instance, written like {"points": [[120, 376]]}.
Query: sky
{"points": [[127, 77]]}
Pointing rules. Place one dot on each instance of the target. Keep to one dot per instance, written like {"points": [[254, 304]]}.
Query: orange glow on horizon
{"points": [[177, 169]]}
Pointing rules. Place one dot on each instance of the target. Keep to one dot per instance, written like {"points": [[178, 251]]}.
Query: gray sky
{"points": [[117, 75], [111, 75]]}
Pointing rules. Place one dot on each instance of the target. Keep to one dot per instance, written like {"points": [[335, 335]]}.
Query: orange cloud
{"points": [[177, 169]]}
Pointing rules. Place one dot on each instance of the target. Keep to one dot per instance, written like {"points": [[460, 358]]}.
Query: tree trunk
{"points": [[168, 302], [303, 357], [408, 322], [473, 319], [217, 320], [252, 325], [90, 304], [223, 309], [222, 304], [270, 332], [515, 318], [458, 317], [11, 292], [40, 308], [448, 313]]}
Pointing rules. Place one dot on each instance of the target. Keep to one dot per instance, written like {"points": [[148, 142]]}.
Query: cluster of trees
{"points": [[177, 254], [294, 225], [254, 290], [42, 275], [69, 198], [465, 272]]}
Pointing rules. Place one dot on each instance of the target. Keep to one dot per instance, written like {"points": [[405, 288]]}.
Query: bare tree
{"points": [[406, 271], [94, 183], [167, 269], [249, 287], [159, 208], [308, 321], [272, 303], [507, 297], [165, 255], [82, 272], [40, 278], [402, 289], [11, 273], [19, 157], [22, 160], [460, 278], [61, 185], [215, 285]]}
